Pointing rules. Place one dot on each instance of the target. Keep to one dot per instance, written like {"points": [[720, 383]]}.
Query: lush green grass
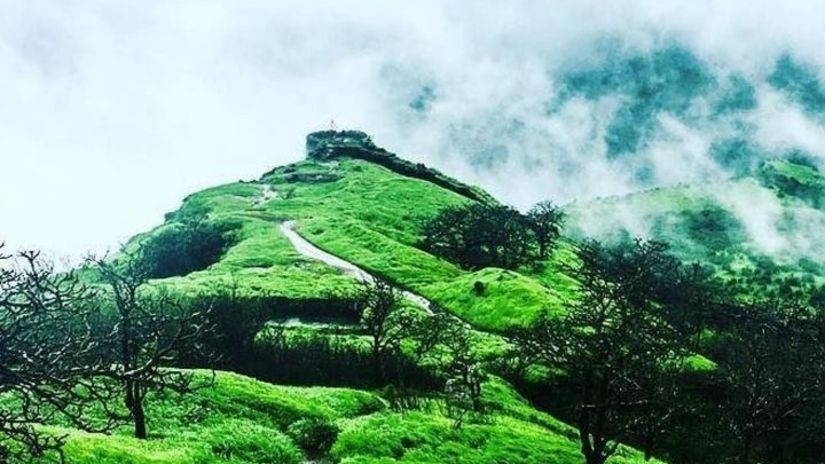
{"points": [[236, 420], [240, 420], [364, 214], [506, 298], [512, 432]]}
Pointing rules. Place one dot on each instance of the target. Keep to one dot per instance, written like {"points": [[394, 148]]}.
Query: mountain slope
{"points": [[760, 231], [246, 421], [367, 215], [359, 211]]}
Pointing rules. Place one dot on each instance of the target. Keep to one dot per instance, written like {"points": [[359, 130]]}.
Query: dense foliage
{"points": [[183, 247], [477, 236]]}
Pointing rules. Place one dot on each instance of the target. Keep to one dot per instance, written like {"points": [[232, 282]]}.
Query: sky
{"points": [[112, 112]]}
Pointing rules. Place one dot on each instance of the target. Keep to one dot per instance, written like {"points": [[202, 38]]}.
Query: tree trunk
{"points": [[594, 458], [140, 421], [377, 364], [746, 451], [138, 414], [648, 447], [134, 403], [591, 454]]}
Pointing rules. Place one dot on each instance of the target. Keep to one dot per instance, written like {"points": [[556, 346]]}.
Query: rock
{"points": [[320, 146]]}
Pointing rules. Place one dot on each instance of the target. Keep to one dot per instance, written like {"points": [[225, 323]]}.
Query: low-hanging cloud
{"points": [[111, 112]]}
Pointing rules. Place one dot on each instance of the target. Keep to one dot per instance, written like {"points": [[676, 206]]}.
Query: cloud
{"points": [[111, 113]]}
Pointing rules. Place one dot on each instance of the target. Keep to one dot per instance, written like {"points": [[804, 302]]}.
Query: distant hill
{"points": [[761, 229]]}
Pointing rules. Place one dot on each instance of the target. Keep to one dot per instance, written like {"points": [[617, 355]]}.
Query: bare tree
{"points": [[150, 331], [611, 344], [464, 372], [772, 368], [378, 305], [47, 355]]}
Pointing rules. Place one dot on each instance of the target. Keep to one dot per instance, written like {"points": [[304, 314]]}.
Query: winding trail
{"points": [[309, 250], [267, 193]]}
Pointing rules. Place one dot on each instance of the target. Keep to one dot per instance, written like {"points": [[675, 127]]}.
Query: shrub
{"points": [[185, 247], [315, 436], [478, 287]]}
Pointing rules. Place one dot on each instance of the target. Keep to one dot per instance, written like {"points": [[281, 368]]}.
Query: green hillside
{"points": [[361, 212], [277, 260], [760, 230], [366, 208], [242, 420]]}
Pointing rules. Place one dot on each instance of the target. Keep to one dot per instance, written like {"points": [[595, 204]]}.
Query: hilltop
{"points": [[366, 212]]}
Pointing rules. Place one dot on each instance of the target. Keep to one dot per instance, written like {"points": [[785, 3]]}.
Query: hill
{"points": [[366, 213], [275, 257], [759, 231], [297, 237]]}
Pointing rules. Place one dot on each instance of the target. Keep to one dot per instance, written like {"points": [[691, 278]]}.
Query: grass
{"points": [[367, 215], [237, 420], [241, 420], [513, 432]]}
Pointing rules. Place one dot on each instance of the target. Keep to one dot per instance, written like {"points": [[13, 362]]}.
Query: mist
{"points": [[111, 113]]}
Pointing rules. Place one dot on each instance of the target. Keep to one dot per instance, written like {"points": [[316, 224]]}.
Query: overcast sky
{"points": [[112, 112]]}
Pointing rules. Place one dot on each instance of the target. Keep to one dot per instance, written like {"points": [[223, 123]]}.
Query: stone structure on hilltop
{"points": [[321, 145]]}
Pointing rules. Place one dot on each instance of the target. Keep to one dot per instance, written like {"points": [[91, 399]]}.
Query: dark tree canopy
{"points": [[479, 235], [182, 247], [614, 345], [545, 220], [772, 372]]}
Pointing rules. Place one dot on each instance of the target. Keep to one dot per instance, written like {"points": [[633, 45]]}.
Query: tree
{"points": [[546, 221], [463, 370], [772, 372], [192, 243], [148, 332], [448, 347], [478, 236], [47, 355], [378, 305], [613, 344]]}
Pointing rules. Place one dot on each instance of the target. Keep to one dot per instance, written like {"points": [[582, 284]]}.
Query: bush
{"points": [[479, 236], [315, 436], [478, 287], [184, 247]]}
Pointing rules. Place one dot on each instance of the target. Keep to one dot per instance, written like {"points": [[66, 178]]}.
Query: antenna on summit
{"points": [[332, 126]]}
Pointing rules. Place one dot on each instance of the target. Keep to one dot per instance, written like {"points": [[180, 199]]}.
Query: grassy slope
{"points": [[365, 214], [370, 216], [243, 421], [743, 227]]}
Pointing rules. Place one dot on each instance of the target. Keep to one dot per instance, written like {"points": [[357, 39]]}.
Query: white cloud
{"points": [[111, 112]]}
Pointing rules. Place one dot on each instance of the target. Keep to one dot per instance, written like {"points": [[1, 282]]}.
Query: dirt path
{"points": [[309, 250], [266, 194]]}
